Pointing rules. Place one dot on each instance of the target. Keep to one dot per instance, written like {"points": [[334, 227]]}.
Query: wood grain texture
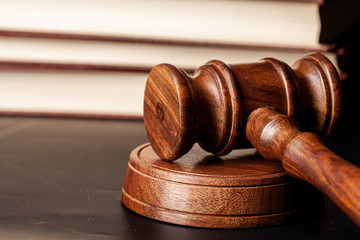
{"points": [[211, 105], [240, 190], [304, 155]]}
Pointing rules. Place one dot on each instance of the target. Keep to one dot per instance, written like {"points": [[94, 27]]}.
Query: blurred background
{"points": [[88, 58]]}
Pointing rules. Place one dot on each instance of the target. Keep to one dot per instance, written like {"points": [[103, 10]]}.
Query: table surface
{"points": [[62, 179]]}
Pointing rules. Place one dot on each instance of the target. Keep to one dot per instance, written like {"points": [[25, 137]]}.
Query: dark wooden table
{"points": [[62, 178]]}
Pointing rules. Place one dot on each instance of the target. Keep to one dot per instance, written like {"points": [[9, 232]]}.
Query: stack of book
{"points": [[85, 58]]}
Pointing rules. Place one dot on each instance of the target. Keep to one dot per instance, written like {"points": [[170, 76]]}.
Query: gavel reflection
{"points": [[223, 107]]}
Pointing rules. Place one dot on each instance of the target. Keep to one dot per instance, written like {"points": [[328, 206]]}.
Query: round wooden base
{"points": [[239, 190]]}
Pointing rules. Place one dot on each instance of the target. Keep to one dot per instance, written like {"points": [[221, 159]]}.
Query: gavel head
{"points": [[212, 105]]}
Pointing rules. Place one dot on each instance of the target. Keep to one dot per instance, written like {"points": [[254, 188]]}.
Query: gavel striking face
{"points": [[211, 106]]}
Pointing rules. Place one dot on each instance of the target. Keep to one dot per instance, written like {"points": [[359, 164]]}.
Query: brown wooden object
{"points": [[211, 106], [240, 190], [304, 156]]}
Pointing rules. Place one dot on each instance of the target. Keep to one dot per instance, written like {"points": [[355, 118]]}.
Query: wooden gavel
{"points": [[213, 105], [223, 106]]}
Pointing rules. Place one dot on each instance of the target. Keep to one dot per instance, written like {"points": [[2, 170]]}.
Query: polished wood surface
{"points": [[304, 155], [61, 179], [211, 106], [240, 190]]}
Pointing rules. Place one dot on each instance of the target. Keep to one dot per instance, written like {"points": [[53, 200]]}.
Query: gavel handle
{"points": [[304, 155]]}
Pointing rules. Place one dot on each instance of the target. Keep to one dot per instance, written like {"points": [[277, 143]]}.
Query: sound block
{"points": [[239, 190]]}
